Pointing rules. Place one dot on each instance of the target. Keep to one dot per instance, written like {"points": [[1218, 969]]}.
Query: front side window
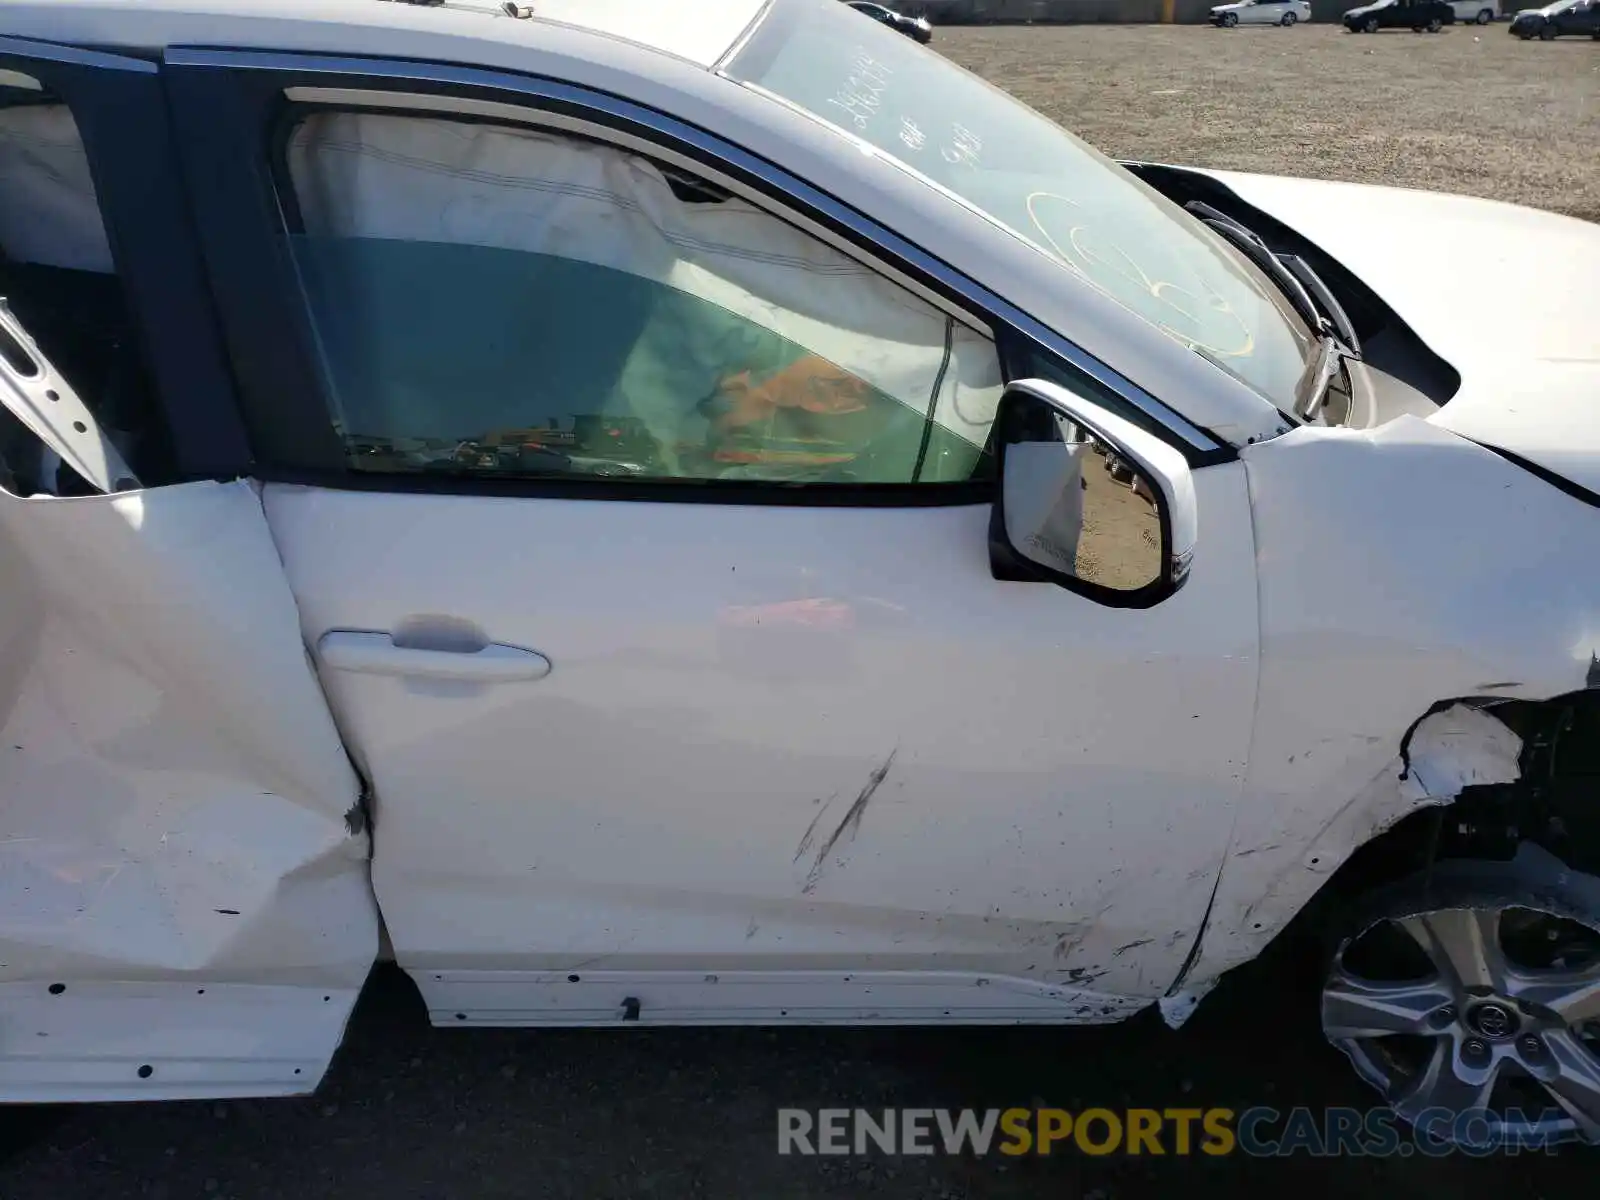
{"points": [[994, 154], [498, 299]]}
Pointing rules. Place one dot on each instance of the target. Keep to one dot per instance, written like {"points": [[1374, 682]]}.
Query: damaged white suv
{"points": [[711, 514]]}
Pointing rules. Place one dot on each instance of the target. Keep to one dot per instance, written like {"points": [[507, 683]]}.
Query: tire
{"points": [[1229, 20], [1288, 20], [1548, 33], [1484, 17], [1435, 25], [1370, 25], [1469, 988]]}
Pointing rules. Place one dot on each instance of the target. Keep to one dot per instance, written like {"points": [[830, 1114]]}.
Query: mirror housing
{"points": [[1122, 533]]}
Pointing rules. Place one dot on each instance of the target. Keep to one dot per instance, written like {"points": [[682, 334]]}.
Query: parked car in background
{"points": [[916, 28], [1261, 12], [1415, 15], [1480, 12], [1563, 17]]}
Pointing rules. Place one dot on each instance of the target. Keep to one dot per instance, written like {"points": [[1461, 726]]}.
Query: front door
{"points": [[650, 588]]}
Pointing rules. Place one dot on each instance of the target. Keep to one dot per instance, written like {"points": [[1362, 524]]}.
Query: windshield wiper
{"points": [[1299, 282], [1258, 252]]}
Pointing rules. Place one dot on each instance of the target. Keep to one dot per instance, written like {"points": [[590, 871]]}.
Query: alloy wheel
{"points": [[1491, 1008], [1372, 25], [1485, 16]]}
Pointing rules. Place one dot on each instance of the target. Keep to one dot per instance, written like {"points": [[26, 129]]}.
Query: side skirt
{"points": [[554, 998]]}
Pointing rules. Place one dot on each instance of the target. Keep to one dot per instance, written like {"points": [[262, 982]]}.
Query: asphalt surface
{"points": [[412, 1112]]}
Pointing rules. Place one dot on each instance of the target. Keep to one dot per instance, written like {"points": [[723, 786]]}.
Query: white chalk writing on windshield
{"points": [[963, 148], [863, 89]]}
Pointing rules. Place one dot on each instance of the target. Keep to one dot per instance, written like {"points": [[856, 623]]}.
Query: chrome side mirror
{"points": [[1087, 500]]}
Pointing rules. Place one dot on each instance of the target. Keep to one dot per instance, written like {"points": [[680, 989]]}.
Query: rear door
{"points": [[184, 904], [638, 513]]}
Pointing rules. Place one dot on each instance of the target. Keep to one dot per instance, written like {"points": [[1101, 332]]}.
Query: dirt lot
{"points": [[1470, 109], [409, 1112]]}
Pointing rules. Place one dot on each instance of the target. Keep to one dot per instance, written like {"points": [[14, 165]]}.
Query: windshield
{"points": [[992, 153]]}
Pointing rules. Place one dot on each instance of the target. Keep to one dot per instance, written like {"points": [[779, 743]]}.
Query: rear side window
{"points": [[500, 300], [57, 276]]}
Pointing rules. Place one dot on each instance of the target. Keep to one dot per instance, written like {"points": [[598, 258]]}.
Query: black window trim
{"points": [[214, 91]]}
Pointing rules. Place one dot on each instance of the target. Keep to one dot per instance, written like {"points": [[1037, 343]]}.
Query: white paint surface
{"points": [[699, 34], [1047, 781], [1370, 614], [173, 798], [775, 745], [1265, 12], [1532, 386], [1460, 747], [171, 1039]]}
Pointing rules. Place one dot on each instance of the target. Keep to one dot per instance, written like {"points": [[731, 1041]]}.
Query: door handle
{"points": [[369, 653]]}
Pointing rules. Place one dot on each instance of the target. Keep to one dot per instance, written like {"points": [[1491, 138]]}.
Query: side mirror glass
{"points": [[1088, 500]]}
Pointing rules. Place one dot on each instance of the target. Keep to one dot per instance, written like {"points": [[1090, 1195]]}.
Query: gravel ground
{"points": [[411, 1112], [1470, 109]]}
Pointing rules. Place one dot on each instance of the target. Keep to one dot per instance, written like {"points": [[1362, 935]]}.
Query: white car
{"points": [[1480, 12], [1261, 12], [598, 505]]}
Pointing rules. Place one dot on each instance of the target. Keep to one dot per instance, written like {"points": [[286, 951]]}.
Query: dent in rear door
{"points": [[183, 882]]}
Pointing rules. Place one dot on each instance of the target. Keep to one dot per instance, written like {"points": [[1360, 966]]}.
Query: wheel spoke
{"points": [[1574, 996], [1361, 1008], [1464, 944], [1446, 1082], [1576, 1084]]}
